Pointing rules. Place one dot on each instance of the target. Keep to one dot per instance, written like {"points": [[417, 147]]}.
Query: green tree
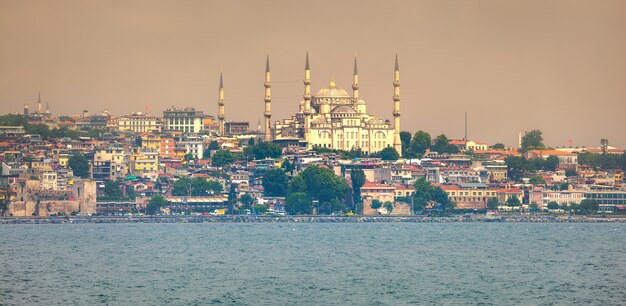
{"points": [[588, 206], [498, 146], [532, 140], [222, 158], [513, 201], [275, 183], [388, 206], [195, 187], [287, 166], [79, 165], [298, 203], [389, 153], [155, 204], [357, 176], [537, 180], [189, 157], [247, 200], [320, 184], [493, 203], [112, 189], [551, 163], [13, 120], [553, 205], [376, 204], [267, 149], [442, 145], [516, 165], [213, 146], [420, 142], [405, 138]]}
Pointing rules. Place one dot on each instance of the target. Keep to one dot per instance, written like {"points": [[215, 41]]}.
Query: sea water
{"points": [[313, 263]]}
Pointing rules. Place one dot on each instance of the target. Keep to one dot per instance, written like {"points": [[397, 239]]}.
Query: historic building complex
{"points": [[335, 119]]}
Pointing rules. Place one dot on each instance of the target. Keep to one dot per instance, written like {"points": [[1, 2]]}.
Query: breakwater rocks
{"points": [[309, 219]]}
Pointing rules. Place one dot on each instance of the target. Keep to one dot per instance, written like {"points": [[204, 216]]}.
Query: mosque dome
{"points": [[343, 109], [332, 91]]}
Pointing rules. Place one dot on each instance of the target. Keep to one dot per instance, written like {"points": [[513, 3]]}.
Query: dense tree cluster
{"points": [[195, 187], [275, 183], [519, 166], [222, 158], [263, 150], [532, 140], [425, 193], [323, 185], [79, 165]]}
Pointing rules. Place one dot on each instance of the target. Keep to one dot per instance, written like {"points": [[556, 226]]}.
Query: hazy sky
{"points": [[559, 66]]}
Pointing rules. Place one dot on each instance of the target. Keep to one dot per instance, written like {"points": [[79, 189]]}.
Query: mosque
{"points": [[334, 119], [331, 118]]}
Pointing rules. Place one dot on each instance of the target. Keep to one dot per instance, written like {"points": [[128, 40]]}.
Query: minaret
{"points": [[355, 82], [26, 110], [47, 108], [220, 103], [39, 106], [397, 143], [268, 101], [307, 98]]}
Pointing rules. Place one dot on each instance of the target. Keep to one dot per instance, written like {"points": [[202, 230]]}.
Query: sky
{"points": [[557, 66]]}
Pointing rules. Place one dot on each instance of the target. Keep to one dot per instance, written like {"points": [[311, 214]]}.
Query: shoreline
{"points": [[308, 219]]}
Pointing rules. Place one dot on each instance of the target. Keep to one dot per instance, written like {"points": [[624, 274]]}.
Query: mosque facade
{"points": [[335, 119]]}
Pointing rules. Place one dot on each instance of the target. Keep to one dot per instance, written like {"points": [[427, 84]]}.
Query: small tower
{"points": [[355, 82], [307, 98], [220, 103], [397, 143], [39, 105], [268, 101], [26, 110]]}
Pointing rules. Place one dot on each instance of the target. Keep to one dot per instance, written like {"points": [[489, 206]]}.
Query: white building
{"points": [[140, 123], [334, 119]]}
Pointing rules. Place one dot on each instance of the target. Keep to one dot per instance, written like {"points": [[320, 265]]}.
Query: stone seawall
{"points": [[305, 219]]}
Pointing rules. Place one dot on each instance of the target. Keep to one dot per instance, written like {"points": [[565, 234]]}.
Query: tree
{"points": [[112, 189], [388, 206], [79, 165], [604, 145], [357, 176], [389, 153], [513, 201], [425, 193], [264, 150], [588, 206], [420, 143], [551, 163], [213, 146], [189, 157], [570, 172], [13, 120], [287, 166], [247, 200], [275, 183], [532, 140], [537, 180], [405, 138], [232, 196], [442, 145], [195, 187], [320, 184], [376, 204], [222, 158], [553, 205], [516, 165], [493, 203], [298, 203], [498, 146], [155, 204]]}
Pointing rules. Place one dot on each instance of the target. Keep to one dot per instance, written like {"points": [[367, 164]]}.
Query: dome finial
{"points": [[332, 80]]}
